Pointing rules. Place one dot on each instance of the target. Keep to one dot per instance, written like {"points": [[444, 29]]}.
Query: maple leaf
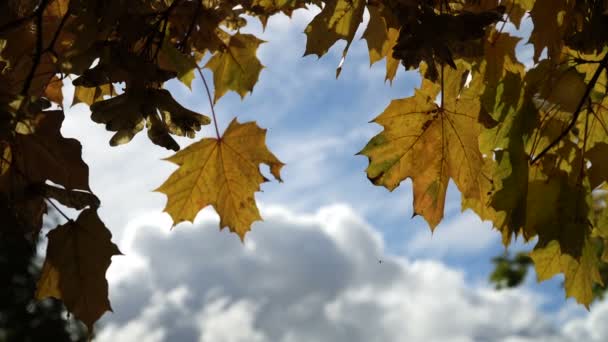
{"points": [[223, 173], [339, 19], [430, 144], [504, 202], [550, 18], [517, 9], [381, 37], [170, 58], [91, 95], [580, 273], [77, 257], [499, 51], [44, 154], [236, 67], [598, 156]]}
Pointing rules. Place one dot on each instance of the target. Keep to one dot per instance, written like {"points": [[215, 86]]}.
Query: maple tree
{"points": [[526, 146]]}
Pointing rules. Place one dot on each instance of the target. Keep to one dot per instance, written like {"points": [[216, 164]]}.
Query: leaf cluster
{"points": [[526, 146]]}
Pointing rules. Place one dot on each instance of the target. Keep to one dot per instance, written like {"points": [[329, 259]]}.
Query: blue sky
{"points": [[310, 271]]}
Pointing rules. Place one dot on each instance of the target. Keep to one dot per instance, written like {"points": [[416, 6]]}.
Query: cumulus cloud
{"points": [[320, 277], [453, 238]]}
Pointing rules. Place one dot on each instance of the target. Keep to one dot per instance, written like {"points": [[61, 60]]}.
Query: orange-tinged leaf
{"points": [[77, 258], [224, 173], [237, 66]]}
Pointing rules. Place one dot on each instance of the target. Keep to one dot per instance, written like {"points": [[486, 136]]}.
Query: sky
{"points": [[336, 258]]}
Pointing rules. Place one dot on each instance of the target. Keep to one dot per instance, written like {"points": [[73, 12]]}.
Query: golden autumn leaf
{"points": [[580, 273], [224, 173], [236, 67], [78, 255], [431, 144]]}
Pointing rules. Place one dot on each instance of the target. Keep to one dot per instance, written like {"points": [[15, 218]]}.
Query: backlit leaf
{"points": [[236, 67], [224, 173], [339, 19], [430, 144], [78, 255]]}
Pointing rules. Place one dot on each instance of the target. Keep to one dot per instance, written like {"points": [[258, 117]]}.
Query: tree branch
{"points": [[603, 65], [182, 44]]}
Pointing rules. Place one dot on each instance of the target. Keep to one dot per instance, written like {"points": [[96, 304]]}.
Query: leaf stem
{"points": [[48, 199], [58, 210], [51, 47], [217, 131], [577, 112], [442, 86], [182, 44]]}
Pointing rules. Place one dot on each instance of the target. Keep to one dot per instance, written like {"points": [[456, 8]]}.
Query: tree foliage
{"points": [[22, 317], [526, 146]]}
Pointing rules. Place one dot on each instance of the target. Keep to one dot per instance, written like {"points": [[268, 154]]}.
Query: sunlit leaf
{"points": [[224, 173]]}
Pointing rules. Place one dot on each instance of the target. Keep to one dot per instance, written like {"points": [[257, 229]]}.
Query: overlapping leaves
{"points": [[526, 147]]}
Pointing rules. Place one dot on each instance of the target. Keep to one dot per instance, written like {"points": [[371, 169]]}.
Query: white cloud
{"points": [[308, 278], [460, 235]]}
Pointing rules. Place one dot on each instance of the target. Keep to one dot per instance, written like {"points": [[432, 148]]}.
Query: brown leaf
{"points": [[77, 258]]}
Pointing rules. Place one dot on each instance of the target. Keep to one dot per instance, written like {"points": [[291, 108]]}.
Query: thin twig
{"points": [[51, 47], [22, 174], [442, 85], [58, 210], [582, 170], [217, 131], [502, 27], [577, 112], [14, 24], [182, 44]]}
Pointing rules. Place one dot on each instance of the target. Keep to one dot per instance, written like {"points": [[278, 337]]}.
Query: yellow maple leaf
{"points": [[430, 143], [77, 258], [580, 273], [224, 173], [236, 67]]}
